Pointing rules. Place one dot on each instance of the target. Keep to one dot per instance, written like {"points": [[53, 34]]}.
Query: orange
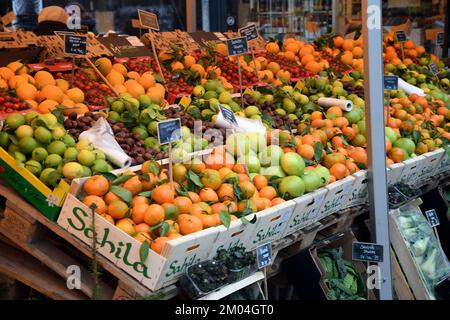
{"points": [[341, 122], [309, 139], [409, 44], [176, 65], [142, 227], [348, 44], [357, 52], [184, 204], [138, 212], [219, 160], [273, 47], [110, 197], [306, 151], [277, 201], [163, 194], [158, 244], [231, 205], [189, 61], [217, 207], [316, 115], [26, 91], [147, 80], [118, 209], [194, 197], [142, 236], [6, 73], [96, 185], [154, 214], [239, 168], [208, 195], [313, 67], [44, 78], [211, 179], [260, 204], [397, 155], [260, 182], [226, 192], [333, 158], [51, 92], [101, 207], [199, 69], [347, 58], [268, 192], [189, 224], [247, 188], [133, 185], [338, 41], [247, 204], [209, 221], [200, 208], [148, 183], [108, 218], [307, 58], [339, 170], [139, 200], [308, 49]]}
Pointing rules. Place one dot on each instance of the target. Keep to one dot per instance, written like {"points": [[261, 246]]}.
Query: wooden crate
{"points": [[341, 221], [57, 249]]}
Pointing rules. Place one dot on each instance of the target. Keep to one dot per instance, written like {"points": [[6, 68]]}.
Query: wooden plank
{"points": [[22, 267], [400, 284], [51, 256], [19, 205], [20, 228]]}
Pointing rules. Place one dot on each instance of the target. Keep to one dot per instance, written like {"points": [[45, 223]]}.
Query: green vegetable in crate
{"points": [[341, 278]]}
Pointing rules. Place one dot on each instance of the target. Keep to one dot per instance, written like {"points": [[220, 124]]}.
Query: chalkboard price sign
{"points": [[169, 131], [401, 36], [75, 44], [249, 31], [433, 69], [433, 218], [237, 46], [440, 39], [390, 83], [264, 255], [228, 115], [148, 19], [367, 252]]}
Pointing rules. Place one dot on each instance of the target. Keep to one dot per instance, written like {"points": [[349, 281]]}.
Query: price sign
{"points": [[400, 36], [440, 38], [75, 44], [148, 20], [169, 131], [251, 32], [367, 252], [390, 83], [433, 68], [237, 46], [264, 255], [228, 115], [433, 218]]}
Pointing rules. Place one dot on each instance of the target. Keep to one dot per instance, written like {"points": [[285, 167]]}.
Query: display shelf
{"points": [[231, 288]]}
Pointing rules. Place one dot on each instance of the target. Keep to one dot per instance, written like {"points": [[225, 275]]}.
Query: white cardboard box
{"points": [[336, 196], [306, 211], [432, 161], [394, 173], [358, 194], [413, 167]]}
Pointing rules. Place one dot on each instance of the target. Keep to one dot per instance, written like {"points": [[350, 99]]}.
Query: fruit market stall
{"points": [[146, 171]]}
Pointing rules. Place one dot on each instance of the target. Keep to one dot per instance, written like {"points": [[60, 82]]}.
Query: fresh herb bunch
{"points": [[209, 275], [236, 258]]}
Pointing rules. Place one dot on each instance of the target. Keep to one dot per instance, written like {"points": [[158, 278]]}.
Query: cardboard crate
{"points": [[412, 169], [394, 173], [430, 164], [237, 235], [336, 196], [48, 202], [112, 243], [271, 224], [358, 193], [306, 211]]}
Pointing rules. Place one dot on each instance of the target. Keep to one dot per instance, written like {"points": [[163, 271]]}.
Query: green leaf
{"points": [[225, 218], [143, 251], [164, 229], [447, 149], [122, 193], [146, 194], [182, 192], [245, 221], [110, 176], [237, 191], [318, 151], [122, 179], [13, 139], [192, 176]]}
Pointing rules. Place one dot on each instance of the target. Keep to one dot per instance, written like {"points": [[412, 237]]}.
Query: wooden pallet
{"points": [[57, 249]]}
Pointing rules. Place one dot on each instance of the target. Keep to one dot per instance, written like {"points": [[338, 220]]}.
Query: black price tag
{"points": [[367, 252], [440, 38], [433, 68], [264, 255], [75, 44], [228, 115], [148, 20], [433, 218], [237, 46], [401, 36], [251, 32], [169, 131], [390, 83]]}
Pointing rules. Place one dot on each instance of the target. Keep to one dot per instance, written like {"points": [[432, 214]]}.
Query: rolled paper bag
{"points": [[102, 138], [409, 88], [345, 105], [243, 124]]}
